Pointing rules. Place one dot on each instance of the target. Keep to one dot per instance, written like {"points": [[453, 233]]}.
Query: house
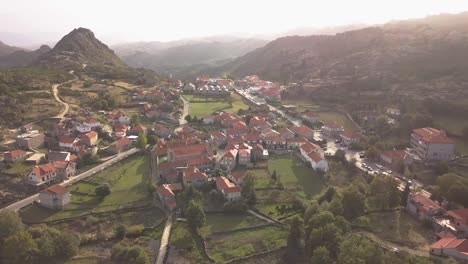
{"points": [[89, 139], [161, 131], [185, 153], [58, 156], [259, 153], [82, 128], [42, 174], [277, 142], [120, 145], [230, 191], [432, 144], [193, 176], [201, 163], [137, 130], [391, 158], [218, 138], [69, 143], [317, 162], [422, 207], [303, 131], [118, 118], [65, 169], [295, 142], [309, 147], [286, 132], [244, 156], [35, 158], [229, 160], [311, 117], [259, 123], [166, 194], [451, 247], [14, 156], [237, 177], [252, 138], [56, 130], [189, 88], [332, 129], [92, 123], [268, 132], [236, 132], [459, 218], [30, 140], [120, 131], [348, 137], [55, 197]]}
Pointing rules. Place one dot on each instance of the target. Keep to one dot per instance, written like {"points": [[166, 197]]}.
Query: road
{"points": [[185, 111], [29, 200], [261, 216], [57, 98], [165, 240]]}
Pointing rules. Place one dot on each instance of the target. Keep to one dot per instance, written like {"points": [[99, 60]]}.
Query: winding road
{"points": [[185, 111], [57, 98]]}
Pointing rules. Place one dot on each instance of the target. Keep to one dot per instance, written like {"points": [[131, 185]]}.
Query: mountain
{"points": [[179, 58], [79, 48], [22, 58], [5, 49], [414, 50]]}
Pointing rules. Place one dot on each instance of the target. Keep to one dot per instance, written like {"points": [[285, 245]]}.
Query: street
{"points": [[29, 200]]}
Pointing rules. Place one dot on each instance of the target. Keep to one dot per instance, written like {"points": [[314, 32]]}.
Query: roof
{"points": [[90, 135], [432, 135], [309, 147], [396, 154], [244, 152], [171, 165], [90, 121], [67, 139], [302, 130], [15, 153], [226, 186], [424, 203], [165, 190], [460, 245], [121, 142], [199, 161], [315, 156], [56, 155], [189, 150], [284, 130], [349, 134], [297, 140], [193, 174], [252, 137], [43, 170], [59, 164], [276, 139], [238, 175], [230, 153], [56, 189], [461, 215], [139, 128]]}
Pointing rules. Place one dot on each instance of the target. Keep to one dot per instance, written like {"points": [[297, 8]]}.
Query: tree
{"points": [[103, 190], [142, 141], [320, 255], [372, 153], [89, 159], [273, 175], [340, 155], [356, 249], [188, 118], [19, 249], [69, 245], [384, 192], [10, 224], [135, 119], [248, 190], [153, 140], [294, 241], [441, 167], [120, 231], [195, 215], [354, 202], [122, 253]]}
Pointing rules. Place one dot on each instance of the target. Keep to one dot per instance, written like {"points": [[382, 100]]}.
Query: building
{"points": [[55, 197], [89, 139], [317, 162], [391, 158], [120, 145], [259, 153], [58, 156], [303, 131], [276, 143], [14, 156], [237, 177], [69, 143], [286, 132], [308, 148], [459, 218], [30, 140], [244, 156], [295, 142], [348, 137], [166, 194], [311, 117], [161, 131], [92, 123], [42, 174], [65, 169], [137, 130], [187, 152], [35, 158], [193, 176], [332, 129], [229, 160], [422, 207], [451, 247], [432, 144], [120, 131], [268, 132], [230, 191]]}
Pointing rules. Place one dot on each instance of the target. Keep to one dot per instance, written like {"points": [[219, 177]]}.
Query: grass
{"points": [[295, 174], [237, 104], [223, 248], [226, 222], [342, 119], [19, 168], [129, 186], [85, 260], [262, 178], [183, 239], [212, 105]]}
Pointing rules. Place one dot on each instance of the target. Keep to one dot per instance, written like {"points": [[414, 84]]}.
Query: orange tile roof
{"points": [[56, 189], [226, 186], [309, 147], [15, 153]]}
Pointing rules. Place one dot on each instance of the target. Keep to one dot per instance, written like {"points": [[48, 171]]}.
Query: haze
{"points": [[149, 20]]}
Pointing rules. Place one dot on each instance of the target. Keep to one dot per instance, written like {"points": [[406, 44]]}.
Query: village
{"points": [[248, 141]]}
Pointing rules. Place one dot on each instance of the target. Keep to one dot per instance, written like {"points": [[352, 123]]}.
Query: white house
{"points": [[317, 162], [432, 144], [230, 191], [244, 156], [451, 247], [92, 123], [229, 160], [82, 128], [42, 174], [55, 197]]}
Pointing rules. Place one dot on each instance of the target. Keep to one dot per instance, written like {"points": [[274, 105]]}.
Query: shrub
{"points": [[120, 231], [103, 190], [135, 230]]}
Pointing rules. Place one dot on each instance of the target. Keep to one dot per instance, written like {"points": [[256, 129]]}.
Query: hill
{"points": [[414, 51], [5, 49], [22, 58]]}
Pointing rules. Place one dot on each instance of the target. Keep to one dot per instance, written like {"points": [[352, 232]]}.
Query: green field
{"points": [[19, 168], [454, 125], [295, 174], [129, 187], [184, 240], [342, 119], [237, 104], [212, 105], [223, 248], [225, 222]]}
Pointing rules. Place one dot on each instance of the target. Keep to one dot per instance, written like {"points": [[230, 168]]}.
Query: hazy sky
{"points": [[134, 20]]}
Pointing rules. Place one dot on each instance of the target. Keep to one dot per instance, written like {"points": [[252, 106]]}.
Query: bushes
{"points": [[122, 253], [120, 231], [135, 230], [103, 190]]}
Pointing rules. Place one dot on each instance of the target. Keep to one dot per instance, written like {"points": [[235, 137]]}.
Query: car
{"points": [[389, 171], [364, 164], [369, 169], [337, 141], [379, 166]]}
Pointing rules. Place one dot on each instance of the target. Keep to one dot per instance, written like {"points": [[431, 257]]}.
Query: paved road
{"points": [[185, 111], [165, 240], [29, 200]]}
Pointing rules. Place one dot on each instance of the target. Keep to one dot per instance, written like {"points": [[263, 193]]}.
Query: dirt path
{"points": [[57, 98], [389, 245], [185, 111], [165, 240]]}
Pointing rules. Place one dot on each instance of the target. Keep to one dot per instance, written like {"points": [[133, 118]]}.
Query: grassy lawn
{"points": [[129, 186], [201, 110], [183, 239], [243, 243], [19, 168], [330, 116], [237, 104], [262, 178], [295, 174], [225, 222]]}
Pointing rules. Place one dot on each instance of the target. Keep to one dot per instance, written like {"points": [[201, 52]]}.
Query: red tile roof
{"points": [[424, 203], [315, 156], [43, 170], [60, 164], [297, 140], [309, 147], [333, 125], [193, 174], [302, 130], [139, 128], [276, 139], [461, 215], [190, 150], [67, 139], [121, 142], [226, 186], [238, 175], [230, 153], [432, 135], [15, 153], [56, 189], [165, 190], [460, 245], [90, 135]]}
